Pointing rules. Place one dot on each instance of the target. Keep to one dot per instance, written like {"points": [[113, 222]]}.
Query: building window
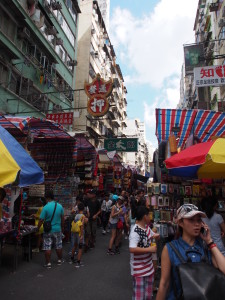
{"points": [[72, 10], [3, 75], [65, 27], [222, 33]]}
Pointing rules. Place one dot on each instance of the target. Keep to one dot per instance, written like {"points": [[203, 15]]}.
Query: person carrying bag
{"points": [[199, 281], [189, 271], [48, 224]]}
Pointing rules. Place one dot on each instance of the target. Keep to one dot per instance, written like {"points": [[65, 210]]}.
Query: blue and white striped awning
{"points": [[203, 124]]}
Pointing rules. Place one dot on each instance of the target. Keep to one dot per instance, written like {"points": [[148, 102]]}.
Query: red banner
{"points": [[61, 118]]}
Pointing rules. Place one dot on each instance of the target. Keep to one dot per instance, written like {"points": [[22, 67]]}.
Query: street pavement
{"points": [[103, 277]]}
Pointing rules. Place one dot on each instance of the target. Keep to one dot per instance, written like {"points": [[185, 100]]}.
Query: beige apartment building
{"points": [[96, 55]]}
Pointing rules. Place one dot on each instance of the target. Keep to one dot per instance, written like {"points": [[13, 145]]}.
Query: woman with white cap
{"points": [[190, 243]]}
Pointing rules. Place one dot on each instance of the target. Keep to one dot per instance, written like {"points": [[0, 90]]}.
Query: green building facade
{"points": [[38, 49]]}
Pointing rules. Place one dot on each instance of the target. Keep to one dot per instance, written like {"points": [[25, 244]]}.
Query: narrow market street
{"points": [[102, 277]]}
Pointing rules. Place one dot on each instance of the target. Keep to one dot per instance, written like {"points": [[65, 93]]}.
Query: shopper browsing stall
{"points": [[214, 221], [39, 234], [52, 213]]}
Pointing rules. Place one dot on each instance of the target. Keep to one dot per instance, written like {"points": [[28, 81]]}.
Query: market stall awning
{"points": [[84, 149], [38, 127], [16, 163], [203, 124]]}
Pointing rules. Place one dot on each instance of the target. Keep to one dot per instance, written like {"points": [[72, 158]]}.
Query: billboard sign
{"points": [[193, 57], [61, 118], [121, 145], [209, 76], [98, 91]]}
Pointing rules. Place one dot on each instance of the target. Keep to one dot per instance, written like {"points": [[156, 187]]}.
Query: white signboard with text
{"points": [[209, 76]]}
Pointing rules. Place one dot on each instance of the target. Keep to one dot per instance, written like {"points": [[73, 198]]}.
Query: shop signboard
{"points": [[121, 145], [61, 118], [98, 106], [193, 57], [98, 91], [37, 190], [209, 76]]}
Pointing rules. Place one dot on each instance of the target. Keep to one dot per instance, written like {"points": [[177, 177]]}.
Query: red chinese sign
{"points": [[98, 91], [209, 76], [61, 118], [98, 106]]}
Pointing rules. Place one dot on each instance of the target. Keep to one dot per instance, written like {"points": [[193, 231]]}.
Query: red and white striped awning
{"points": [[201, 123]]}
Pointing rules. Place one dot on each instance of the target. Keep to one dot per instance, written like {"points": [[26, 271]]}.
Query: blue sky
{"points": [[148, 37]]}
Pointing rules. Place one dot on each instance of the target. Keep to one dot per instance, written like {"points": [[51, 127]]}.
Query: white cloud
{"points": [[153, 44], [151, 47]]}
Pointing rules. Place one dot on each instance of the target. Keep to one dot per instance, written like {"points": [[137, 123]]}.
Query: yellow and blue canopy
{"points": [[16, 164], [204, 160]]}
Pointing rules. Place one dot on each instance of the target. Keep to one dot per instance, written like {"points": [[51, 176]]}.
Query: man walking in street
{"points": [[52, 212], [94, 207]]}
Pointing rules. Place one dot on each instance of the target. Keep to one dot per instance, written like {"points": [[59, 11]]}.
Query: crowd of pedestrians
{"points": [[124, 215]]}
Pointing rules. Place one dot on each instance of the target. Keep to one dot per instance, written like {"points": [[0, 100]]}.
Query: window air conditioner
{"points": [[223, 12], [221, 22], [59, 42], [93, 31], [51, 30], [91, 73], [92, 53], [96, 53], [56, 5], [72, 63], [47, 6], [24, 33]]}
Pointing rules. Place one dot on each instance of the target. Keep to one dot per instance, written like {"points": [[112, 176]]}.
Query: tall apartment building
{"points": [[136, 129], [209, 30], [96, 55], [104, 6], [38, 57]]}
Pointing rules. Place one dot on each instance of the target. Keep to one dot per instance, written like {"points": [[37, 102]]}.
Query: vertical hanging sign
{"points": [[98, 91]]}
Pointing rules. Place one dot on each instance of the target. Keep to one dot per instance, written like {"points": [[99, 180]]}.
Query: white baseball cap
{"points": [[188, 211]]}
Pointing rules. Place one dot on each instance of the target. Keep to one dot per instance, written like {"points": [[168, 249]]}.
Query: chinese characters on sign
{"points": [[209, 76], [98, 106], [121, 145], [61, 118], [98, 91]]}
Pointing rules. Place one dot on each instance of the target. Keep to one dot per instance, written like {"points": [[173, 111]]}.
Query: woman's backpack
{"points": [[199, 281]]}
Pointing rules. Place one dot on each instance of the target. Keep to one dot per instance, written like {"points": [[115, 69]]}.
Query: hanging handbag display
{"points": [[48, 224], [199, 281]]}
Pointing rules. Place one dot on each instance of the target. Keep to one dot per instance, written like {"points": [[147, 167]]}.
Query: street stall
{"points": [[186, 173], [86, 164], [18, 169], [105, 171], [53, 149]]}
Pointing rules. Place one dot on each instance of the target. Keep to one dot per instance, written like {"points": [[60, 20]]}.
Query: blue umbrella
{"points": [[16, 163]]}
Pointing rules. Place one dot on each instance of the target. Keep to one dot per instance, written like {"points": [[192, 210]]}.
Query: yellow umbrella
{"points": [[214, 166], [204, 160]]}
